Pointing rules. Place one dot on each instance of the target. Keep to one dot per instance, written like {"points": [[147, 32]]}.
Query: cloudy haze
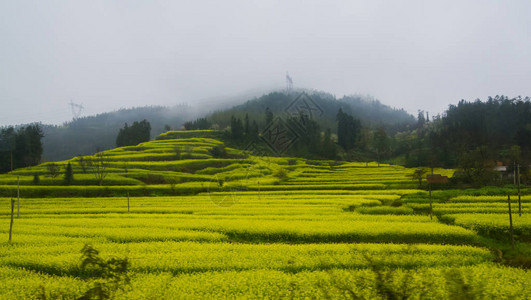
{"points": [[113, 54]]}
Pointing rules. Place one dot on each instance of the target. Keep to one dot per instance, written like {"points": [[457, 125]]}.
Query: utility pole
{"points": [[18, 197], [510, 221], [514, 174], [519, 201], [11, 224], [431, 206]]}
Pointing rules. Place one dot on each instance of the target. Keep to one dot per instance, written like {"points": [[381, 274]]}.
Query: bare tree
{"points": [[100, 164], [84, 163]]}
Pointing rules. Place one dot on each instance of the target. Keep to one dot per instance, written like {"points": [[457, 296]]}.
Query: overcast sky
{"points": [[112, 54]]}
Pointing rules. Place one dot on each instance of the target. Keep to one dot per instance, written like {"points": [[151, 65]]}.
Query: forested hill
{"points": [[369, 111], [86, 135], [498, 129]]}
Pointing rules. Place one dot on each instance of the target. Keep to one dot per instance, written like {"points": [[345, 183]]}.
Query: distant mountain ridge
{"points": [[86, 135]]}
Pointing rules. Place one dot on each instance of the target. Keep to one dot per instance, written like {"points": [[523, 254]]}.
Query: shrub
{"points": [[218, 151], [112, 274], [53, 169], [281, 174], [69, 175], [36, 179]]}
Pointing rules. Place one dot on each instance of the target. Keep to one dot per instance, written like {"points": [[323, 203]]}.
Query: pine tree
{"points": [[236, 128], [69, 175], [253, 131], [348, 130], [246, 126], [268, 116], [328, 148], [36, 179]]}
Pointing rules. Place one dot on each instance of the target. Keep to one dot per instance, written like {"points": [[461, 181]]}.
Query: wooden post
{"points": [[18, 197], [127, 201], [514, 174], [510, 221], [519, 198], [431, 206], [11, 224]]}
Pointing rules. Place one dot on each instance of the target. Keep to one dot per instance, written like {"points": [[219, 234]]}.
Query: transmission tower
{"points": [[289, 83], [76, 109]]}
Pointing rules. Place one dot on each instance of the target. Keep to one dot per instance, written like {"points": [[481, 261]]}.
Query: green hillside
{"points": [[181, 162], [182, 216]]}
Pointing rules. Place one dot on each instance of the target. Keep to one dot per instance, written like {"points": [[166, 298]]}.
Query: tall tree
{"points": [[268, 116], [69, 174], [348, 130], [236, 128], [328, 148], [380, 144], [420, 119], [246, 126], [253, 131]]}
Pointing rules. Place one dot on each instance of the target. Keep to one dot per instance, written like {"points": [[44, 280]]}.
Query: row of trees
{"points": [[243, 130], [97, 165], [20, 147], [352, 142], [135, 134], [473, 137], [198, 124], [54, 170]]}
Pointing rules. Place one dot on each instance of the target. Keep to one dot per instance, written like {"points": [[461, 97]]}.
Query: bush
{"points": [[69, 175], [111, 274], [218, 151], [36, 179], [281, 174], [53, 169]]}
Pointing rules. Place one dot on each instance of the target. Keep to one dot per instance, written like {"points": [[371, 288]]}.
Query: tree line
{"points": [[135, 134], [471, 136], [21, 147]]}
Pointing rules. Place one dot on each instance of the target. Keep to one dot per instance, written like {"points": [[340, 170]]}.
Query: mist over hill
{"points": [[86, 135], [370, 111]]}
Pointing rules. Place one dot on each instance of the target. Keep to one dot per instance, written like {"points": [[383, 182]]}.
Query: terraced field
{"points": [[195, 226]]}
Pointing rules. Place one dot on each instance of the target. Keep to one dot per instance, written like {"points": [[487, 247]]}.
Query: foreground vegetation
{"points": [[172, 218]]}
